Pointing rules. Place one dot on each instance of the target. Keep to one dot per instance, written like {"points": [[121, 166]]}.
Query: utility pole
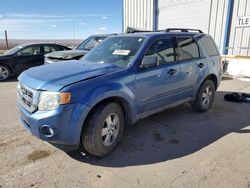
{"points": [[74, 32], [6, 39]]}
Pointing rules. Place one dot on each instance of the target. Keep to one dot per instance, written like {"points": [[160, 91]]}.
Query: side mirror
{"points": [[18, 54], [149, 61]]}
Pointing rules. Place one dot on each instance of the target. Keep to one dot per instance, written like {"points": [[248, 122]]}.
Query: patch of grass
{"points": [[38, 154]]}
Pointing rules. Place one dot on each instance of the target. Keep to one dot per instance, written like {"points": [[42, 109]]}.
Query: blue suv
{"points": [[87, 103]]}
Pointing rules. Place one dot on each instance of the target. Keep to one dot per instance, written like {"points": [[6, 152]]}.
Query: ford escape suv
{"points": [[87, 103]]}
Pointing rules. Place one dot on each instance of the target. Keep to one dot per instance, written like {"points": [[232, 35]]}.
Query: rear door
{"points": [[192, 66], [157, 86]]}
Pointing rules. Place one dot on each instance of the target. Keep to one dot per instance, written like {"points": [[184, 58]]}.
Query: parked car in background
{"points": [[18, 59], [124, 79], [77, 53]]}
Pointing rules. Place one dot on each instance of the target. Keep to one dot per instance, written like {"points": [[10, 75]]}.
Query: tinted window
{"points": [[90, 43], [33, 50], [209, 46], [163, 49], [62, 48], [188, 49], [51, 48]]}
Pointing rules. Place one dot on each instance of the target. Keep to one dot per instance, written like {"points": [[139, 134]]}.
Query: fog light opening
{"points": [[47, 131]]}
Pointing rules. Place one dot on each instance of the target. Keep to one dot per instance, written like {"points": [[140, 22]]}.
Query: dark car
{"points": [[77, 53], [18, 59]]}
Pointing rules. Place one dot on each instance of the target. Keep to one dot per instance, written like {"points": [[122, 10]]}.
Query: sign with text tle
{"points": [[243, 21]]}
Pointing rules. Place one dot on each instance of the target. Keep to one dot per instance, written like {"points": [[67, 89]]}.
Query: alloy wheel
{"points": [[4, 73], [206, 96], [110, 129]]}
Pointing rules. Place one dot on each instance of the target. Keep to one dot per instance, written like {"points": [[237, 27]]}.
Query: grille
{"points": [[27, 97]]}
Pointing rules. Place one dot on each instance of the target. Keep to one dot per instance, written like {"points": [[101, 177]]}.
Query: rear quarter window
{"points": [[209, 46]]}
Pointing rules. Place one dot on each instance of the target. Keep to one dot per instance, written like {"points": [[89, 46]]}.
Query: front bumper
{"points": [[66, 122]]}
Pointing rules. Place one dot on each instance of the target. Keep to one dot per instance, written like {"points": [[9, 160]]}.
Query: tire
{"points": [[104, 129], [205, 97], [4, 73]]}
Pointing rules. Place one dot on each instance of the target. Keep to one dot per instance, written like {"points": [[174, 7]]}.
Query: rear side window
{"points": [[163, 49], [187, 49], [51, 48], [209, 46]]}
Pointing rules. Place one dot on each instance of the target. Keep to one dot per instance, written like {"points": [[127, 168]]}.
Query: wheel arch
{"points": [[120, 101], [213, 78], [126, 108], [11, 70]]}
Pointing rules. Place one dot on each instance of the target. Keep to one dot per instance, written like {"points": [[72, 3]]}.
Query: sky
{"points": [[55, 19]]}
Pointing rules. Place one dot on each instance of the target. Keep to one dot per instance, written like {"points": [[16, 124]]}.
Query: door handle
{"points": [[201, 65], [172, 71]]}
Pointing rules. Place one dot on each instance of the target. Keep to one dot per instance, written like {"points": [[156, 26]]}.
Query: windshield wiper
{"points": [[84, 49]]}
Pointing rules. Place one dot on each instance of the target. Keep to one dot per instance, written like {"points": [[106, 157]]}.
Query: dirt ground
{"points": [[175, 148]]}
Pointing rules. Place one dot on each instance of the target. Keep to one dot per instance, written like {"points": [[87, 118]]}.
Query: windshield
{"points": [[90, 43], [116, 50], [13, 50]]}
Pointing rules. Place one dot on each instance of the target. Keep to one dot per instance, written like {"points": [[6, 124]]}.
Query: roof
{"points": [[103, 35], [153, 34], [38, 43]]}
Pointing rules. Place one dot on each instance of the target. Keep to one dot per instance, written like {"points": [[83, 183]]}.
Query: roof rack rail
{"points": [[183, 30]]}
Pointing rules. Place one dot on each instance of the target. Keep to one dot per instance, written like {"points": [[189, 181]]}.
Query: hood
{"points": [[58, 75], [66, 55], [2, 56]]}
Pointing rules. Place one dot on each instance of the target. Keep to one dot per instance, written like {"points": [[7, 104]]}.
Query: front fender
{"points": [[114, 90]]}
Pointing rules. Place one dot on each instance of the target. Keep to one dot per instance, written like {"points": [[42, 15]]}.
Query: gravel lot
{"points": [[175, 148]]}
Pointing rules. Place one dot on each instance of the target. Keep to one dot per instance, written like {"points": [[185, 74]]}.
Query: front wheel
{"points": [[205, 97], [104, 129], [4, 73]]}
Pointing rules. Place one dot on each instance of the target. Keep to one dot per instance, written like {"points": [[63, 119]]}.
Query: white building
{"points": [[227, 21]]}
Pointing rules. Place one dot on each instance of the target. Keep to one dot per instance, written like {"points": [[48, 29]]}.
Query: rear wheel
{"points": [[205, 97], [103, 130], [4, 72]]}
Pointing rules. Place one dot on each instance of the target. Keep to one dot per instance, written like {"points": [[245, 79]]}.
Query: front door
{"points": [[157, 86], [28, 57]]}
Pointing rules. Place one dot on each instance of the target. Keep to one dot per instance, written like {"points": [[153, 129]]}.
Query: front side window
{"points": [[187, 49], [33, 50], [163, 49], [115, 50]]}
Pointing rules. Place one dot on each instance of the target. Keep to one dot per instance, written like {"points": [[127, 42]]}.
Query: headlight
{"points": [[51, 100], [18, 87]]}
